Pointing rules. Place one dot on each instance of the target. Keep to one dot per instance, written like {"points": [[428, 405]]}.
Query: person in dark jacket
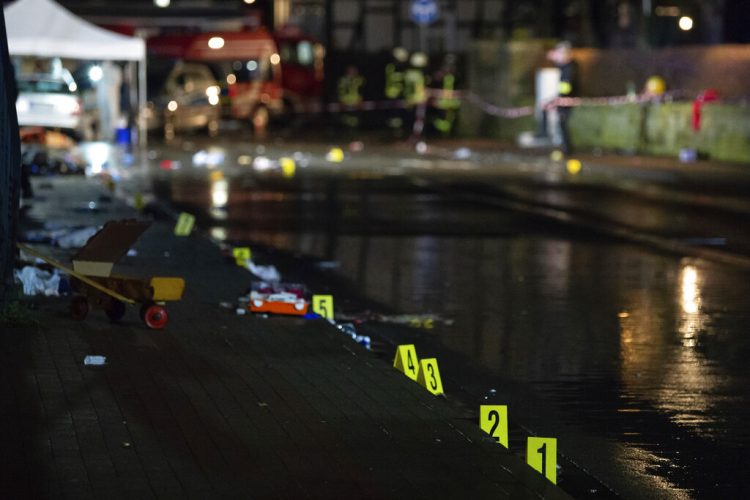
{"points": [[562, 57]]}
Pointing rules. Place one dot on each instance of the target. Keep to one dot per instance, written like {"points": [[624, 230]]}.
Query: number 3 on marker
{"points": [[541, 455], [493, 419], [429, 376], [323, 305]]}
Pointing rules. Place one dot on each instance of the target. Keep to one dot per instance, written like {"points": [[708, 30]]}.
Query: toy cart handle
{"points": [[85, 279]]}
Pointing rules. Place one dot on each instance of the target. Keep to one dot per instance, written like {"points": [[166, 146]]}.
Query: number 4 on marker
{"points": [[541, 455], [493, 419], [406, 361]]}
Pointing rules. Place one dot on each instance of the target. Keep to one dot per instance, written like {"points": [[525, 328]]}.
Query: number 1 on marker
{"points": [[541, 455]]}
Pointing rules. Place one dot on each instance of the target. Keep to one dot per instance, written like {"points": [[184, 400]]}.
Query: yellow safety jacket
{"points": [[394, 82], [414, 88], [349, 90]]}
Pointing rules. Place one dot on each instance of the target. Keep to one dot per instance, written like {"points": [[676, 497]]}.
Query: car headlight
{"points": [[22, 105]]}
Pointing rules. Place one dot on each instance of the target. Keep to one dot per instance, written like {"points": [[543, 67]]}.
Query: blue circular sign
{"points": [[424, 11]]}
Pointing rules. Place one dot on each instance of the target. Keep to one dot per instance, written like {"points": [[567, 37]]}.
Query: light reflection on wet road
{"points": [[641, 357]]}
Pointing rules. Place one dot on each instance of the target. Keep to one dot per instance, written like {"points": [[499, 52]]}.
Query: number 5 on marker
{"points": [[323, 305], [406, 361], [541, 455], [493, 419], [429, 376]]}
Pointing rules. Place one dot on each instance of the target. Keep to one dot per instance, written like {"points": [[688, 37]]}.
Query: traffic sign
{"points": [[424, 12]]}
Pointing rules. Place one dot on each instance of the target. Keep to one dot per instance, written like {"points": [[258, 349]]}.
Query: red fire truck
{"points": [[262, 75]]}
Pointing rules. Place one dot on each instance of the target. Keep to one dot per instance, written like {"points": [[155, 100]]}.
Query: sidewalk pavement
{"points": [[219, 405]]}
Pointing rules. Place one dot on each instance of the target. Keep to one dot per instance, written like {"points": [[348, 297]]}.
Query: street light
{"points": [[162, 3], [685, 23]]}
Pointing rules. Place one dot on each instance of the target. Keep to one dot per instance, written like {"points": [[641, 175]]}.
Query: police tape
{"points": [[569, 102], [435, 95]]}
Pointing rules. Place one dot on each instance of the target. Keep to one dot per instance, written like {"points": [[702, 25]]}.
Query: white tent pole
{"points": [[142, 140]]}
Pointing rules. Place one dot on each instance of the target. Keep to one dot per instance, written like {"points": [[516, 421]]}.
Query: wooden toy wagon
{"points": [[95, 285]]}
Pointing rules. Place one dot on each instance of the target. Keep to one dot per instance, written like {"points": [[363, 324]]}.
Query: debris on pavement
{"points": [[75, 238], [268, 273], [94, 360], [37, 281]]}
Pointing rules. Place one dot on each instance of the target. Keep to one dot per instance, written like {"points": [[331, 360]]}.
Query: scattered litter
{"points": [[208, 158], [328, 264], [132, 252], [262, 163], [356, 146], [364, 341], [76, 238], [240, 311], [425, 321], [126, 444], [266, 273], [462, 154], [688, 155], [421, 147], [170, 164], [226, 305], [90, 207], [95, 360], [37, 281], [262, 404]]}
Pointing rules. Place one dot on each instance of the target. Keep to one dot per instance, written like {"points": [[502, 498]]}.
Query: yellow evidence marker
{"points": [[541, 455], [429, 376], [335, 155], [493, 419], [323, 305], [241, 255], [406, 361], [288, 167], [184, 224], [574, 166]]}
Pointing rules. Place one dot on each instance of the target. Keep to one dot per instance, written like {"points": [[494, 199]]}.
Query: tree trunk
{"points": [[10, 168]]}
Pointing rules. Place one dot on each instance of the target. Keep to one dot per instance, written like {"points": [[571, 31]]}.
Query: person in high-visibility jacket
{"points": [[562, 57], [415, 91], [350, 94], [446, 104], [395, 76]]}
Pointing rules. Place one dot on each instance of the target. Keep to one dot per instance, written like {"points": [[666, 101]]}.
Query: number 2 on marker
{"points": [[493, 419]]}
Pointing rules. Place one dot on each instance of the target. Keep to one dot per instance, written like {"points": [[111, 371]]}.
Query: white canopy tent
{"points": [[43, 28]]}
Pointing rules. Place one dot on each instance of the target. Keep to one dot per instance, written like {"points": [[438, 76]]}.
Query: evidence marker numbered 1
{"points": [[406, 361], [241, 255], [493, 419], [541, 455], [323, 305], [184, 224], [429, 376]]}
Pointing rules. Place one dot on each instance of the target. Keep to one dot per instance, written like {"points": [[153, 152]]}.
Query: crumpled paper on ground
{"points": [[38, 282]]}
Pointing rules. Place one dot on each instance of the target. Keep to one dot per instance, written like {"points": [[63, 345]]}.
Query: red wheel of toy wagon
{"points": [[79, 308], [155, 316]]}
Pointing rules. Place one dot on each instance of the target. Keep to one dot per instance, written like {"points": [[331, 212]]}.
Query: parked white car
{"points": [[45, 101]]}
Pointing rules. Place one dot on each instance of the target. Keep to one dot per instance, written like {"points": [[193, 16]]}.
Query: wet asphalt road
{"points": [[634, 356]]}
